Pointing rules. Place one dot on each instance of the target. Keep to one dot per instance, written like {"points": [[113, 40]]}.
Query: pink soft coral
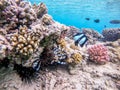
{"points": [[98, 53]]}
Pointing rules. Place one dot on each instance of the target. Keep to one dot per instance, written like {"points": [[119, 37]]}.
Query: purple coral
{"points": [[15, 13], [98, 53]]}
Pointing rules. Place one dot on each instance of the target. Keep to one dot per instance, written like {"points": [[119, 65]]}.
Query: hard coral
{"points": [[77, 58], [41, 9], [5, 47], [16, 13], [98, 53], [47, 19], [25, 42], [61, 42]]}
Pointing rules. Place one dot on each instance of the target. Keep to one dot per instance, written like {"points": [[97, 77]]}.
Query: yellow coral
{"points": [[62, 43], [24, 42], [77, 58]]}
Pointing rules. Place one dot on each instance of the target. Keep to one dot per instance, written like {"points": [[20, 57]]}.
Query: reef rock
{"points": [[93, 36], [114, 48], [111, 34], [72, 31]]}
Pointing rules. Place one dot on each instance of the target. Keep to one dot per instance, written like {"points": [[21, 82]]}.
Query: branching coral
{"points": [[98, 53], [25, 42], [5, 47], [16, 13], [46, 19], [41, 9]]}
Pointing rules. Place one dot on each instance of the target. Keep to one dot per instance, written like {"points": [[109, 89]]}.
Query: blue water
{"points": [[74, 12]]}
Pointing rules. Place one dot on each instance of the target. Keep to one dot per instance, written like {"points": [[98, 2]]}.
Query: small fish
{"points": [[36, 65], [96, 20], [61, 55], [114, 21], [87, 19], [105, 26], [80, 39]]}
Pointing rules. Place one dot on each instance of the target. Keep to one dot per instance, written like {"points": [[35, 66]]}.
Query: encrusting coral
{"points": [[98, 53]]}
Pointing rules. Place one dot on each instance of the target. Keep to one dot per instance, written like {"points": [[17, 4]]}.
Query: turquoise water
{"points": [[74, 12]]}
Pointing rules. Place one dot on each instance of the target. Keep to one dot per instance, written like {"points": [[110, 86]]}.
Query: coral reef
{"points": [[31, 41], [98, 53], [111, 34]]}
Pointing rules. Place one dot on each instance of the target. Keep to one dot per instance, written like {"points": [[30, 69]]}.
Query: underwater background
{"points": [[83, 13]]}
